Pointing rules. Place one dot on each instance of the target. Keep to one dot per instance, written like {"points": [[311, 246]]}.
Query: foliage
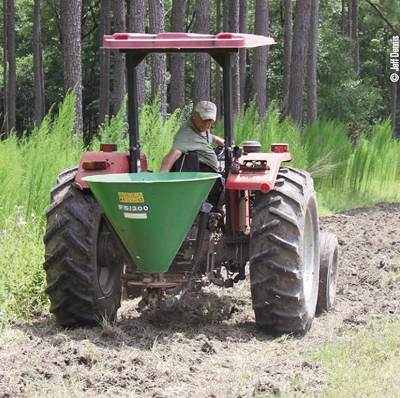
{"points": [[113, 130], [27, 172], [358, 104], [36, 160], [155, 136], [268, 130], [22, 279]]}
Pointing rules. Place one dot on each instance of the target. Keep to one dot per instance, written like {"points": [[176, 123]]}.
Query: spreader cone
{"points": [[152, 212]]}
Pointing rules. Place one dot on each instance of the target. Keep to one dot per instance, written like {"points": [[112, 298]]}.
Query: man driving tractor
{"points": [[194, 136]]}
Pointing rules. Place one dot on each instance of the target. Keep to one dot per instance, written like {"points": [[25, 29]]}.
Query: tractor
{"points": [[115, 229]]}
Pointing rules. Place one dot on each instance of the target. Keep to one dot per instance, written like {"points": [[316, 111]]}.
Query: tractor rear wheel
{"points": [[83, 260], [284, 254], [329, 271]]}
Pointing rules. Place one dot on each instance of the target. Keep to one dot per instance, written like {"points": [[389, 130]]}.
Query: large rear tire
{"points": [[284, 254], [83, 261]]}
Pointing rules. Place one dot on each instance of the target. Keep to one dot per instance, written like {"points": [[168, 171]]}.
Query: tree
{"points": [[243, 9], [71, 41], [137, 24], [177, 61], [12, 71], [218, 99], [104, 92], [119, 88], [260, 58], [234, 27], [354, 35], [298, 61], [5, 71], [38, 66], [158, 66], [312, 112], [201, 83], [287, 54]]}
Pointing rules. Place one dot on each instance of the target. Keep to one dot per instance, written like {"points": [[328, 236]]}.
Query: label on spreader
{"points": [[131, 197]]}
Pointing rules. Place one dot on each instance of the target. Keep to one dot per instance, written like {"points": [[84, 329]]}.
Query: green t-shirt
{"points": [[188, 140]]}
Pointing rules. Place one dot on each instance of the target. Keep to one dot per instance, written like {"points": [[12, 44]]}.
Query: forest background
{"points": [[339, 69]]}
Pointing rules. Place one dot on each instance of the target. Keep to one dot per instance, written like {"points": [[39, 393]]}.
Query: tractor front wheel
{"points": [[83, 260], [284, 254]]}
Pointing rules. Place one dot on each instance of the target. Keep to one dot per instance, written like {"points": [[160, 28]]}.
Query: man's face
{"points": [[200, 124]]}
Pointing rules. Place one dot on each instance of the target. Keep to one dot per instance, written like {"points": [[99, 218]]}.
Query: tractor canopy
{"points": [[184, 42], [137, 46]]}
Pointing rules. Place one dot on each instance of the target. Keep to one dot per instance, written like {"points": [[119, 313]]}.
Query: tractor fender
{"points": [[110, 163], [256, 171]]}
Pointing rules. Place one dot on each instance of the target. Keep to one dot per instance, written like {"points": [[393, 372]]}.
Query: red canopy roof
{"points": [[184, 41]]}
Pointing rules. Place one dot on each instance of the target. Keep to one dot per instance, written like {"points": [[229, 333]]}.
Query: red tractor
{"points": [[114, 227]]}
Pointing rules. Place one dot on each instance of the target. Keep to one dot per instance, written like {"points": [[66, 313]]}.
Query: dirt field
{"points": [[208, 345]]}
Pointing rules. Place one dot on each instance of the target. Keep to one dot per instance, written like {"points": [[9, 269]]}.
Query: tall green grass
{"points": [[29, 166], [346, 177], [155, 136], [28, 170]]}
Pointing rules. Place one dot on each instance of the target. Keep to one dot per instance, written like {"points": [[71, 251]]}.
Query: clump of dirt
{"points": [[208, 345]]}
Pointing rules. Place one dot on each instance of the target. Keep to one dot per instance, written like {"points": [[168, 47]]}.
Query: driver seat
{"points": [[190, 163]]}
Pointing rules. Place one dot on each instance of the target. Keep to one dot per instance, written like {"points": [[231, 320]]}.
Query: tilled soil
{"points": [[208, 345]]}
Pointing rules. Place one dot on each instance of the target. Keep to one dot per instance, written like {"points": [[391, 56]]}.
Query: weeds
{"points": [[364, 364]]}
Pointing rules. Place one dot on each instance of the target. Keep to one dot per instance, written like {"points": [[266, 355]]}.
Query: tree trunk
{"points": [[349, 17], [287, 53], [260, 58], [225, 15], [71, 41], [218, 97], [312, 111], [158, 66], [5, 72], [12, 81], [242, 52], [298, 60], [38, 66], [201, 83], [119, 88], [342, 23], [354, 35], [234, 27], [104, 95], [137, 24], [177, 86]]}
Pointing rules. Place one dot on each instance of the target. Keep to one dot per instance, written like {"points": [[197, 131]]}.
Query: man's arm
{"points": [[218, 140], [169, 160]]}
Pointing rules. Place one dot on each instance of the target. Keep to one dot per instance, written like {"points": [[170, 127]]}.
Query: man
{"points": [[194, 136]]}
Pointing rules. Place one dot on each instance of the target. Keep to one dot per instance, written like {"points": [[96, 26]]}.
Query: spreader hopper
{"points": [[152, 212]]}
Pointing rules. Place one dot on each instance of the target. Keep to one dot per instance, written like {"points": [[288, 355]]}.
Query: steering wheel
{"points": [[219, 151]]}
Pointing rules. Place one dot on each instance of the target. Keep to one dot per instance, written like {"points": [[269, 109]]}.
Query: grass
{"points": [[22, 279], [364, 363]]}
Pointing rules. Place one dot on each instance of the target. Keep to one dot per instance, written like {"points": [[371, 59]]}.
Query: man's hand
{"points": [[217, 140], [169, 160]]}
